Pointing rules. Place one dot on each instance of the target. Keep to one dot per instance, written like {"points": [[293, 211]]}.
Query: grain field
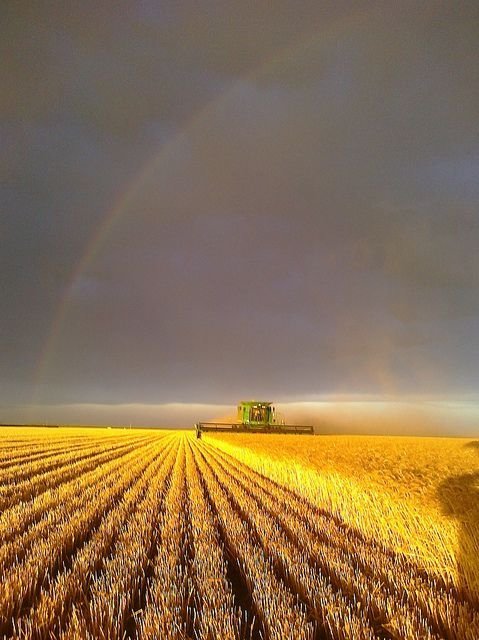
{"points": [[140, 534]]}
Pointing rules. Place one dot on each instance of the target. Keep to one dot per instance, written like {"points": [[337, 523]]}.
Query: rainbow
{"points": [[303, 46]]}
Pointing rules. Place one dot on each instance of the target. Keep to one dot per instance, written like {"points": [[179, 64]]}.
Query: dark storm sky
{"points": [[296, 186]]}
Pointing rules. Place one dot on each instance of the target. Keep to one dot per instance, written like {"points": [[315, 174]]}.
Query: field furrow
{"points": [[74, 497], [152, 535], [43, 453], [335, 612], [53, 553], [348, 588], [403, 593], [217, 615], [165, 614], [52, 610], [33, 486], [114, 598], [16, 474], [280, 614], [18, 522]]}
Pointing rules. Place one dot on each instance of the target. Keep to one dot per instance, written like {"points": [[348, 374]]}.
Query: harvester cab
{"points": [[254, 417], [256, 413]]}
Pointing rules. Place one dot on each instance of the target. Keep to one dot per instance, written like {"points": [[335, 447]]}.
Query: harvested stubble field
{"points": [[146, 534]]}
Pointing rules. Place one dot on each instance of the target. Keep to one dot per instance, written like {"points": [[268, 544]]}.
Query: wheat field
{"points": [[111, 534]]}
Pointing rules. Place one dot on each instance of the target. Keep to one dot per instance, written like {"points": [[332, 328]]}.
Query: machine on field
{"points": [[254, 417]]}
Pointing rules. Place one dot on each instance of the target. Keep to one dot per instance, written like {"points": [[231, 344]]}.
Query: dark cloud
{"points": [[297, 191]]}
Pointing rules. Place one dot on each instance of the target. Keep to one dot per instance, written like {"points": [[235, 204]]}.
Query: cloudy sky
{"points": [[201, 202]]}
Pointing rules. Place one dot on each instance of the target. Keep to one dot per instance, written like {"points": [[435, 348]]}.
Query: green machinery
{"points": [[254, 417]]}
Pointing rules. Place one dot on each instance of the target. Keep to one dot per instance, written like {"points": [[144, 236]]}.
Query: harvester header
{"points": [[254, 416]]}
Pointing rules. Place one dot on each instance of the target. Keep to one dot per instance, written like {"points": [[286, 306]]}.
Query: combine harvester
{"points": [[254, 417]]}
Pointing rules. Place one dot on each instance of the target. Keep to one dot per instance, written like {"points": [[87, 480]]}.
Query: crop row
{"points": [[28, 487], [170, 538], [390, 590], [53, 549]]}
